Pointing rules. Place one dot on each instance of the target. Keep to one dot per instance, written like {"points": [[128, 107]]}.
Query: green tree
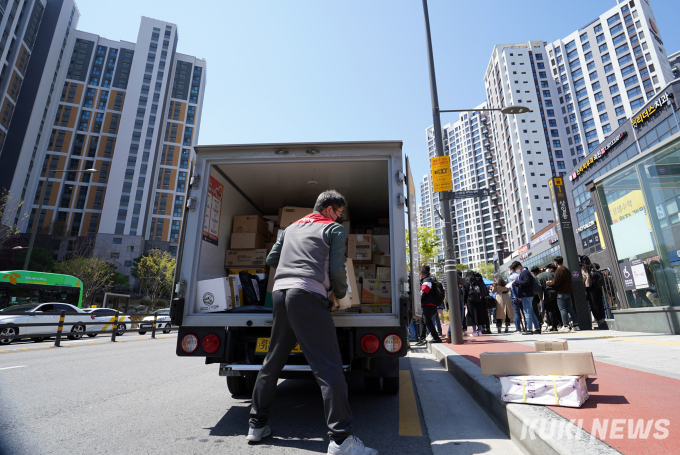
{"points": [[154, 270], [428, 245], [95, 273], [120, 281], [486, 270], [461, 267], [10, 259]]}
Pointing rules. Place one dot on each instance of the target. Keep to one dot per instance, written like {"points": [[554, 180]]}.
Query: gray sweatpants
{"points": [[304, 317]]}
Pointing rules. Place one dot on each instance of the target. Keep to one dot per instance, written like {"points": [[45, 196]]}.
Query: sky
{"points": [[353, 70]]}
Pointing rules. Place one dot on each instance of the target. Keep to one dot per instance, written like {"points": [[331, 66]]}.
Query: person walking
{"points": [[310, 262], [474, 293], [428, 302], [562, 284], [516, 302], [536, 301], [593, 281], [525, 292], [549, 299], [503, 302]]}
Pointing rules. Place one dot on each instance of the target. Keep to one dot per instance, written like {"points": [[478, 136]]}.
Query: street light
{"points": [[37, 214], [449, 255]]}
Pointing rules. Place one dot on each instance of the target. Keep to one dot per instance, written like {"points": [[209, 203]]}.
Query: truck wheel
{"points": [[237, 385], [371, 384], [391, 386]]}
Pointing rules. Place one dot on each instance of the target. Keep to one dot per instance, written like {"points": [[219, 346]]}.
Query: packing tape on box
{"points": [[524, 391]]}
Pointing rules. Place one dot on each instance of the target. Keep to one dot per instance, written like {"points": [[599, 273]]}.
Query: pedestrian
{"points": [[503, 302], [429, 304], [562, 284], [536, 302], [593, 281], [516, 302], [549, 299], [525, 292], [310, 260], [474, 293]]}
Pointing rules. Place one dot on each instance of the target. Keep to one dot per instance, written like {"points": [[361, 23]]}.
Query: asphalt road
{"points": [[136, 396]]}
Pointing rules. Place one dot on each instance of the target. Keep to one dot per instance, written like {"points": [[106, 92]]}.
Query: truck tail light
{"points": [[370, 343], [189, 343], [210, 343], [392, 343]]}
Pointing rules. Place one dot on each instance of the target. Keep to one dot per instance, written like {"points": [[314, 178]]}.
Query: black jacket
{"points": [[426, 291], [525, 284]]}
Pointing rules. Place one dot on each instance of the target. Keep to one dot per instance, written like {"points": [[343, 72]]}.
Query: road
{"points": [[137, 396]]}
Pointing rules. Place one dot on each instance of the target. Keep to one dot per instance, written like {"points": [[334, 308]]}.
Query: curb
{"points": [[510, 417]]}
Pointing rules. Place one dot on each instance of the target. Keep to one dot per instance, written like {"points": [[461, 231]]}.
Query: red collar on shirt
{"points": [[314, 217]]}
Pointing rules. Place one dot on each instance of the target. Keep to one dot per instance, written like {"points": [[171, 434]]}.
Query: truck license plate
{"points": [[262, 346]]}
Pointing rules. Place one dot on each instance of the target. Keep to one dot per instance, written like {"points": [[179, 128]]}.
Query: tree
{"points": [[9, 213], [461, 267], [119, 282], [486, 270], [95, 273], [428, 244], [155, 269], [11, 259]]}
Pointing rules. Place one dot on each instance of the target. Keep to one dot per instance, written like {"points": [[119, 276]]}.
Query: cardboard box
{"points": [[289, 215], [353, 297], [245, 258], [376, 292], [382, 242], [359, 247], [216, 295], [381, 309], [365, 271], [255, 271], [237, 282], [249, 224], [565, 363], [381, 260], [551, 345], [383, 273], [570, 391], [247, 241]]}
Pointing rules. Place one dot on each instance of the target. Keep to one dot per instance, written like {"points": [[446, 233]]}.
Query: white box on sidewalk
{"points": [[219, 294], [569, 391]]}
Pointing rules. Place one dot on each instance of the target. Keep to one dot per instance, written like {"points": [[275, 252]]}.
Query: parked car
{"points": [[104, 319], [162, 321], [39, 313]]}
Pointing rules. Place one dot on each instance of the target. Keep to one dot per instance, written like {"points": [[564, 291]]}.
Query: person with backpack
{"points": [[474, 295], [549, 298], [593, 281], [503, 302], [431, 296], [536, 302], [525, 292]]}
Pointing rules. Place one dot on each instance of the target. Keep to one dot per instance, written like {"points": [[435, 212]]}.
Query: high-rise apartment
{"points": [[130, 110]]}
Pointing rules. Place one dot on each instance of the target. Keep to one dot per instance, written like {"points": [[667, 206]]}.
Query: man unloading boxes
{"points": [[310, 261]]}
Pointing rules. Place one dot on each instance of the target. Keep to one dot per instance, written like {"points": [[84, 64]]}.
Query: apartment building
{"points": [[130, 110]]}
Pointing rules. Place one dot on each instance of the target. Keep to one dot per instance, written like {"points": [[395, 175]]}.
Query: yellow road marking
{"points": [[635, 340], [75, 345], [409, 422]]}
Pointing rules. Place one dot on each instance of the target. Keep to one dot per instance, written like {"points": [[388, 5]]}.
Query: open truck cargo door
{"points": [[414, 270]]}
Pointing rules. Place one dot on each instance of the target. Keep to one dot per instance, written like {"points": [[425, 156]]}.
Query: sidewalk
{"points": [[637, 383]]}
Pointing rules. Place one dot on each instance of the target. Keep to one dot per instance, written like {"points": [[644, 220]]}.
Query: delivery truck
{"points": [[235, 193]]}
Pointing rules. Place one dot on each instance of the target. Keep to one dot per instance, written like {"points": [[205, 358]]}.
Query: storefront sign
{"points": [[543, 237], [600, 153], [585, 226], [627, 206], [651, 110], [523, 249]]}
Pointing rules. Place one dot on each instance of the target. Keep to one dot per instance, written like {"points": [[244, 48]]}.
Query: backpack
{"points": [[537, 286], [597, 278], [475, 293], [437, 292], [549, 294]]}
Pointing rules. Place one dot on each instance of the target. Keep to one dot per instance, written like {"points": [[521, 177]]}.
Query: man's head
{"points": [[535, 270], [551, 268], [559, 260], [424, 271], [331, 204], [516, 266]]}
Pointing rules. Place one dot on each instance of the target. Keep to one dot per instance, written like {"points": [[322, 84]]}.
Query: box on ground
{"points": [[219, 294], [376, 292], [250, 224], [383, 273], [247, 241], [289, 215], [245, 258], [381, 259], [566, 363], [569, 391], [365, 271], [551, 345], [353, 297]]}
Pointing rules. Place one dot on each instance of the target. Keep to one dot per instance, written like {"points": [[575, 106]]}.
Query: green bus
{"points": [[19, 287]]}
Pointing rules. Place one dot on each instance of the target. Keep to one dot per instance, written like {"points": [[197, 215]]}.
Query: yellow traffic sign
{"points": [[441, 174]]}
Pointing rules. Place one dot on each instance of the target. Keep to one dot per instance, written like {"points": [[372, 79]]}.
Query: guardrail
{"points": [[115, 323]]}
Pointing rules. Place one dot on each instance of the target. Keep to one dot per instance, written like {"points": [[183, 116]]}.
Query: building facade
{"points": [[130, 110]]}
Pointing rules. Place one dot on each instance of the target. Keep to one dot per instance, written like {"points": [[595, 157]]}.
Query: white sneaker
{"points": [[577, 328], [351, 446], [565, 329], [256, 434]]}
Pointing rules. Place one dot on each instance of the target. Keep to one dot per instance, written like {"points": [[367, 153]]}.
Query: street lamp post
{"points": [[34, 229], [449, 254]]}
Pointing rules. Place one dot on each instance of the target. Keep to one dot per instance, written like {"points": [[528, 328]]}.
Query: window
{"points": [[606, 58], [600, 38], [560, 165], [115, 255], [630, 81], [130, 249], [597, 29], [621, 49], [619, 39], [117, 241], [593, 75], [634, 92], [629, 69], [635, 104], [614, 19], [587, 113], [603, 48], [606, 129], [604, 117], [556, 143], [620, 110], [128, 263], [546, 93], [588, 55], [616, 100], [600, 107], [608, 68], [614, 88]]}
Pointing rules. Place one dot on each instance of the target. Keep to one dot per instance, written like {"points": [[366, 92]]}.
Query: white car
{"points": [[42, 313], [104, 319], [162, 321]]}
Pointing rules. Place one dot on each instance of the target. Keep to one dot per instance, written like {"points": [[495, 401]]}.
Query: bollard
{"points": [[57, 342], [115, 328], [153, 329]]}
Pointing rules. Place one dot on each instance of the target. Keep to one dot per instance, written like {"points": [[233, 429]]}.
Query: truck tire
{"points": [[371, 384], [237, 385], [391, 386]]}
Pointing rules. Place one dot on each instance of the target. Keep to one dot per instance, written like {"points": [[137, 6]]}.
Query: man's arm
{"points": [[275, 253], [337, 271], [522, 279], [556, 279]]}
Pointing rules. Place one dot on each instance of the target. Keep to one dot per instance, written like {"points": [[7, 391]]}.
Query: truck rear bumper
{"points": [[236, 369]]}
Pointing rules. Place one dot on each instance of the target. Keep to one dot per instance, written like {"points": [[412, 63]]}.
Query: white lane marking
{"points": [[9, 368]]}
